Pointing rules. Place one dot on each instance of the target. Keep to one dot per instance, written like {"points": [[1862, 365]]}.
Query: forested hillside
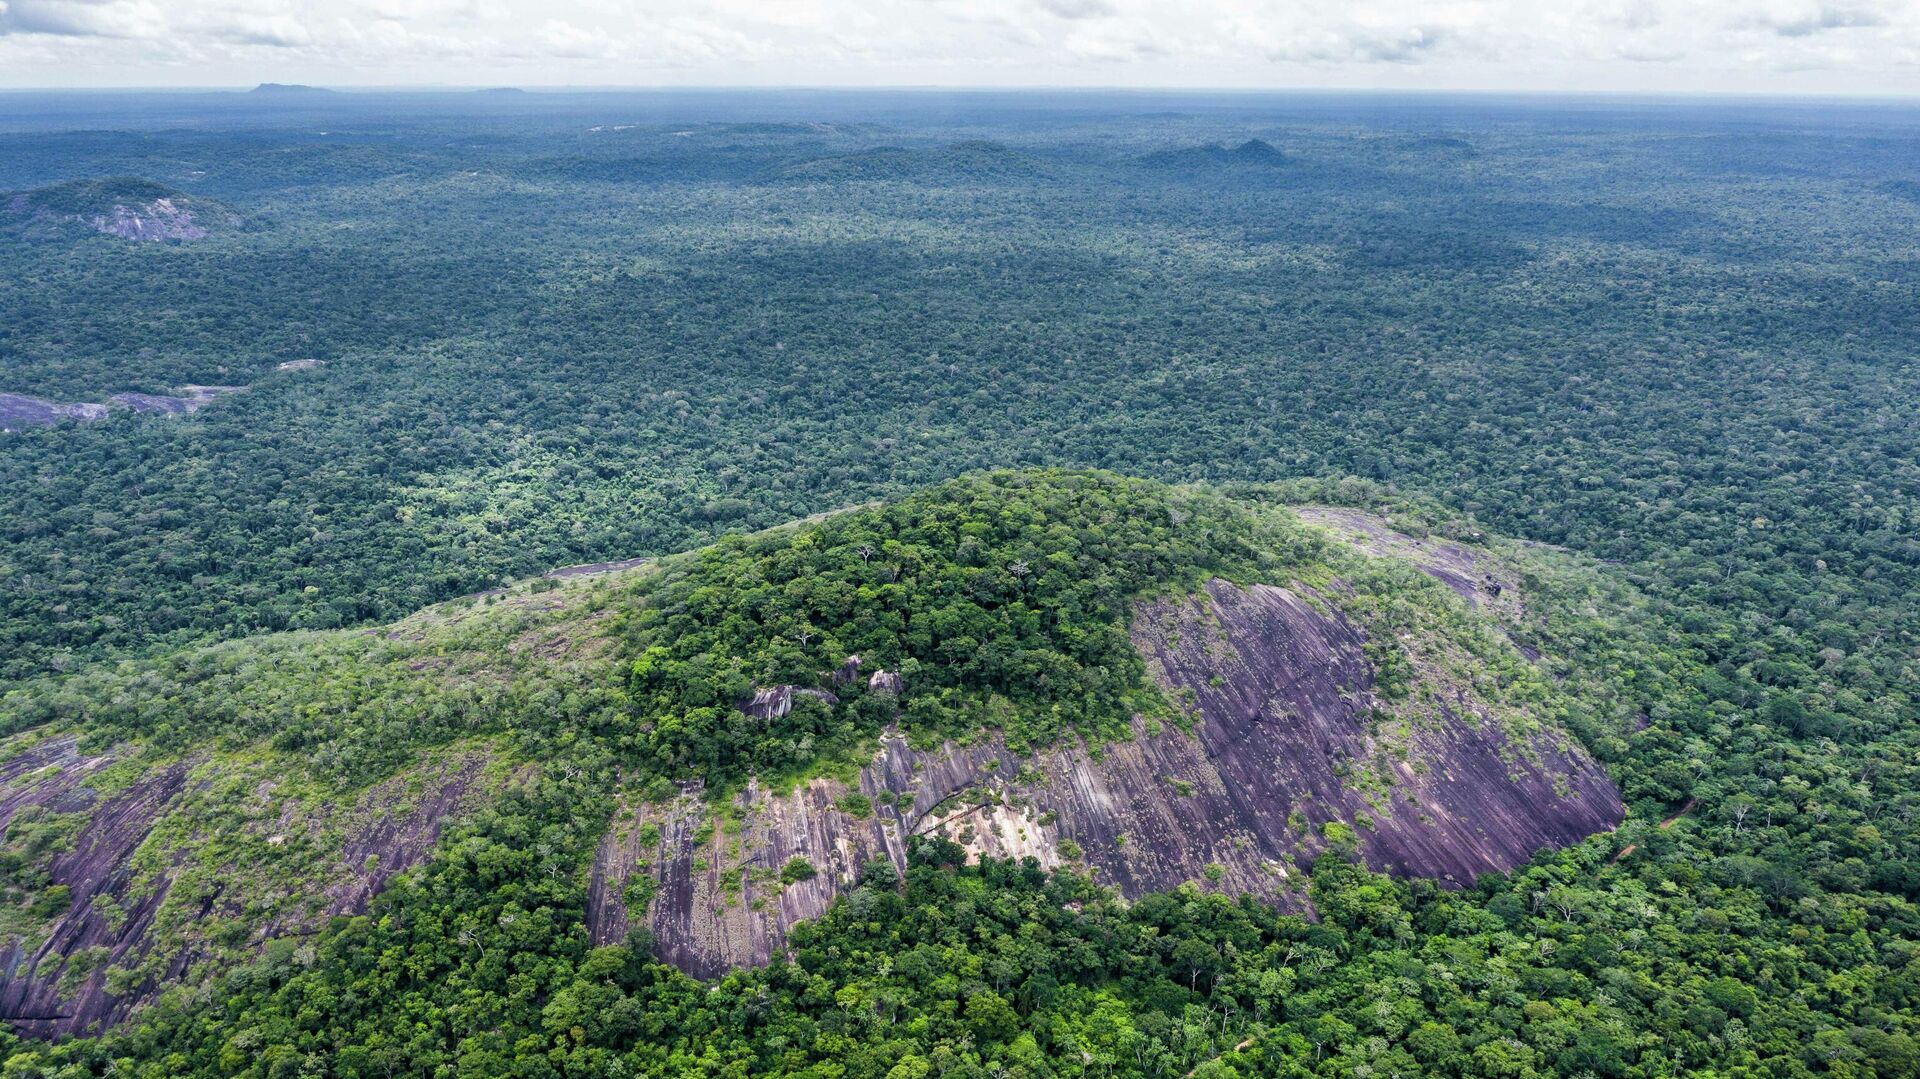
{"points": [[524, 720], [484, 338]]}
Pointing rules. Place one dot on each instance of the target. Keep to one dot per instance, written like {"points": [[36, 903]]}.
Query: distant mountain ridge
{"points": [[1253, 152], [972, 159]]}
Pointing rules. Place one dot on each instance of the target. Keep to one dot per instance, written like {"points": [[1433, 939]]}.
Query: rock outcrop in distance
{"points": [[19, 410], [127, 208]]}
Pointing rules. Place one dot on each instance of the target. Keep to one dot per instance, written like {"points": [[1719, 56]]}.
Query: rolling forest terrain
{"points": [[1062, 584]]}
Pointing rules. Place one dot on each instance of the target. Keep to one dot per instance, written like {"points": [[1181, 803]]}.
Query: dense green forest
{"points": [[1675, 338]]}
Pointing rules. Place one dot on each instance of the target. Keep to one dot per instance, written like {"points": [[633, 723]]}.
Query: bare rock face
{"points": [[158, 219], [1286, 696], [1472, 576], [124, 207], [1284, 742], [50, 775], [18, 410], [847, 673], [54, 979], [391, 830], [776, 701]]}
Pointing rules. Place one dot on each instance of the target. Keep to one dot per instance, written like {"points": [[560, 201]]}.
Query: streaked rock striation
{"points": [[55, 980], [1284, 741]]}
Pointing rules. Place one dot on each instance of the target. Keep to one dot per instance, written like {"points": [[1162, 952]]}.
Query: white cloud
{"points": [[1807, 20], [1358, 34], [1366, 45], [83, 18], [277, 31], [1114, 42], [1077, 9], [1497, 44]]}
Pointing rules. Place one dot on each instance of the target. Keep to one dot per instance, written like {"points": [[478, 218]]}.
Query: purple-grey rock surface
{"points": [[115, 910], [1283, 732], [19, 410]]}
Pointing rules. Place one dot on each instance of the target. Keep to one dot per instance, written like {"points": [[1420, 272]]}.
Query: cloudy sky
{"points": [[1743, 46]]}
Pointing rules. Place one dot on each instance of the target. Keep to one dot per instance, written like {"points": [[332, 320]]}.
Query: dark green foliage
{"points": [[92, 196], [1574, 964], [991, 968], [650, 386], [1001, 600]]}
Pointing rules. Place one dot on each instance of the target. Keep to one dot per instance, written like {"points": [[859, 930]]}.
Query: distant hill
{"points": [[1441, 142], [127, 207], [1902, 189], [288, 89], [975, 159], [1253, 153], [1436, 148]]}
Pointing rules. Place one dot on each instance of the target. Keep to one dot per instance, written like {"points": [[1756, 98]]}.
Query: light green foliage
{"points": [[350, 708], [640, 890], [856, 805], [33, 838]]}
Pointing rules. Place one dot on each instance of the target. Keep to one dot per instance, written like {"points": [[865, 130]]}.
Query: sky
{"points": [[1795, 47]]}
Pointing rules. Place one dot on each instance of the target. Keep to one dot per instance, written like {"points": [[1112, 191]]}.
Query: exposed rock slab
{"points": [[19, 410], [98, 868], [1289, 724], [1472, 574], [394, 828], [1283, 742], [158, 219], [773, 702], [127, 208], [119, 912]]}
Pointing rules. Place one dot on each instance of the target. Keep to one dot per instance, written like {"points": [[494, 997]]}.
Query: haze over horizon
{"points": [[1792, 47]]}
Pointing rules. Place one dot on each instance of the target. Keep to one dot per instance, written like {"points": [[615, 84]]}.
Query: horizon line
{"points": [[1021, 88]]}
